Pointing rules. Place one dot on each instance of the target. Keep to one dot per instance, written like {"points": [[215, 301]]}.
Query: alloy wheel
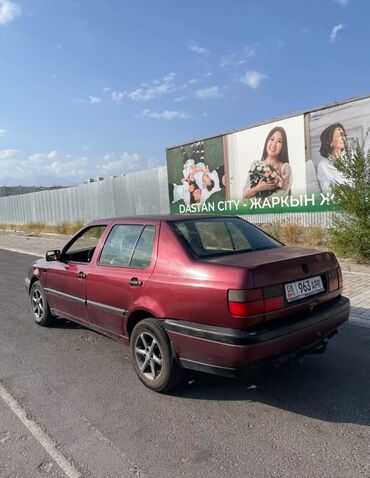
{"points": [[37, 304], [148, 355]]}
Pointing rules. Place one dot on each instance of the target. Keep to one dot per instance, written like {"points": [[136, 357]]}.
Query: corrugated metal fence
{"points": [[144, 192]]}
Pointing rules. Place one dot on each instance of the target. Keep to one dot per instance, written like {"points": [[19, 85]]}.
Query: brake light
{"points": [[333, 280], [274, 303], [245, 303]]}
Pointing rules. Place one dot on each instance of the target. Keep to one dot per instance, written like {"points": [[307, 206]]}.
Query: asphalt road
{"points": [[79, 391]]}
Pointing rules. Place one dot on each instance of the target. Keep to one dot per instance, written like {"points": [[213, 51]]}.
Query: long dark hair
{"points": [[326, 138], [283, 156], [192, 198]]}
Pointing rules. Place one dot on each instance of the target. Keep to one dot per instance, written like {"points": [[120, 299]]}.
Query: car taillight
{"points": [[274, 298], [340, 277], [333, 280], [245, 303]]}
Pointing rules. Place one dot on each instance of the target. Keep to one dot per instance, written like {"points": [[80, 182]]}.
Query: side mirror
{"points": [[53, 255]]}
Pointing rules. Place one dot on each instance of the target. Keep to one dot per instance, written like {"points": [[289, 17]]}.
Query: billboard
{"points": [[328, 129], [266, 165], [196, 176], [286, 165]]}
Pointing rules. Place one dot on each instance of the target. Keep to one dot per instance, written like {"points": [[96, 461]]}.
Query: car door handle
{"points": [[81, 275], [135, 281]]}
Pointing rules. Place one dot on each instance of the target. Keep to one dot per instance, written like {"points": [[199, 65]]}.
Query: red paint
{"points": [[180, 287]]}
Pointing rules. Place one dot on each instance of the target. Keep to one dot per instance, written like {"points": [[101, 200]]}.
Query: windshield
{"points": [[217, 236]]}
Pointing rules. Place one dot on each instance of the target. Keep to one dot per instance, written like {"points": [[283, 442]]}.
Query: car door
{"points": [[120, 274], [66, 279]]}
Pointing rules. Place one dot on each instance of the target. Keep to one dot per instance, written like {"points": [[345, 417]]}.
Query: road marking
{"points": [[21, 252], [45, 441]]}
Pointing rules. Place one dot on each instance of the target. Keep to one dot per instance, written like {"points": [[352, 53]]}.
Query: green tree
{"points": [[350, 234]]}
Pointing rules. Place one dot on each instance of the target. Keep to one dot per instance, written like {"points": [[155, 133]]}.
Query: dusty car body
{"points": [[215, 294]]}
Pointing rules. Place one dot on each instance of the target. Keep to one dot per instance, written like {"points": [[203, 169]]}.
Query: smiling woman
{"points": [[273, 174]]}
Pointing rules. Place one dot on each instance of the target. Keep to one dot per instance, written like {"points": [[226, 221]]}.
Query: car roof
{"points": [[159, 217]]}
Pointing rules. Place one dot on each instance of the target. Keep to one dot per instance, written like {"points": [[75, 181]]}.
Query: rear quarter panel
{"points": [[185, 288]]}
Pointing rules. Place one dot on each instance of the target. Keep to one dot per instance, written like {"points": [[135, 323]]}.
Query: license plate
{"points": [[303, 288]]}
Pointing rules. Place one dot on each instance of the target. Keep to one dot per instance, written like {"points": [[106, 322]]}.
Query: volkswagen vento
{"points": [[210, 293]]}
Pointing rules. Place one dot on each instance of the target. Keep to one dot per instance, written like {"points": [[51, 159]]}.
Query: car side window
{"points": [[83, 247], [142, 256], [128, 245]]}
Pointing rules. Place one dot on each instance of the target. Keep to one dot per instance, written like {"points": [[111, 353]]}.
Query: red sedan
{"points": [[209, 293]]}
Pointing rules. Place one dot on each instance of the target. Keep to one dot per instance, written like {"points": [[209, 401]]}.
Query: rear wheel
{"points": [[153, 358], [39, 306]]}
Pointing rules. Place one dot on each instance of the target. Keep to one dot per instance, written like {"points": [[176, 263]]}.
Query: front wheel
{"points": [[152, 356], [39, 306]]}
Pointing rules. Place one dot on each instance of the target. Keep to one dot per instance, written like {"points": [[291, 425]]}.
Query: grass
{"points": [[293, 234], [65, 228]]}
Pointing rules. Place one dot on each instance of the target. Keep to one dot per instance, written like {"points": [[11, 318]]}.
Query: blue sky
{"points": [[102, 87]]}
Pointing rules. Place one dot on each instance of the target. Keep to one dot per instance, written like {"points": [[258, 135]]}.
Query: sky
{"points": [[102, 87]]}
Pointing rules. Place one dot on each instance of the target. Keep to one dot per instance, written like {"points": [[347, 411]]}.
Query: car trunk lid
{"points": [[279, 265]]}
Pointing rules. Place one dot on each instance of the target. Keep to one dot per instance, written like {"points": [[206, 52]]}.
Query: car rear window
{"points": [[217, 236]]}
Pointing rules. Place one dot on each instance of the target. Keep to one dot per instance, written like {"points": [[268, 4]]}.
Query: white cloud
{"points": [[238, 57], [6, 154], [156, 88], [335, 30], [165, 115], [2, 132], [65, 169], [170, 77], [76, 168], [104, 90], [57, 165], [196, 48], [180, 98], [113, 165], [253, 79], [344, 3], [94, 100], [41, 168], [41, 157], [117, 96], [10, 165], [208, 93], [8, 11]]}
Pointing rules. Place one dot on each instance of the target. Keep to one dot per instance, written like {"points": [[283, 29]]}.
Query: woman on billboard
{"points": [[272, 175], [332, 145]]}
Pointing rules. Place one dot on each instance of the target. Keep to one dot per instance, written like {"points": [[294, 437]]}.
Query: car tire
{"points": [[39, 306], [152, 356]]}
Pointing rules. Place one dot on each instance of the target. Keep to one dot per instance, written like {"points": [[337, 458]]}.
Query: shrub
{"points": [[274, 229], [34, 227], [316, 236], [69, 228], [350, 234], [292, 234]]}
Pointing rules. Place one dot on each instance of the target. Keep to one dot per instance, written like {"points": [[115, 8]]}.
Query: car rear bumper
{"points": [[227, 351]]}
